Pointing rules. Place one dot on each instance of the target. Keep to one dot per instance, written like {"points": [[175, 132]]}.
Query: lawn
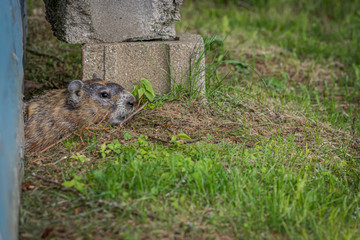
{"points": [[271, 150]]}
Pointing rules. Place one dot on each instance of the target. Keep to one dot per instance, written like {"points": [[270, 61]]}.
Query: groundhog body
{"points": [[50, 117]]}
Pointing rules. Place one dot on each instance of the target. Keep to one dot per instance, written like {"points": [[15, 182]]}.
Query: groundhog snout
{"points": [[130, 101]]}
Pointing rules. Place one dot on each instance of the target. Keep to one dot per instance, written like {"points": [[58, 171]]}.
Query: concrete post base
{"points": [[164, 63]]}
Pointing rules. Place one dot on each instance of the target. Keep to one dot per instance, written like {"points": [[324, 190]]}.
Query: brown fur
{"points": [[50, 117]]}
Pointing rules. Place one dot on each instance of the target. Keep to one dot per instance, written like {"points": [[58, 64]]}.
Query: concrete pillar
{"points": [[86, 21], [165, 64], [127, 40]]}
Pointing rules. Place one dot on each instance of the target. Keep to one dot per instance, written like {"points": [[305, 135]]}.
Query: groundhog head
{"points": [[101, 98]]}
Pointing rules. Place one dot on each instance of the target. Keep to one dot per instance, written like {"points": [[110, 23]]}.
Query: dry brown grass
{"points": [[247, 123]]}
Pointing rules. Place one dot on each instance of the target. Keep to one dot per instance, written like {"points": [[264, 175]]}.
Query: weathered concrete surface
{"points": [[106, 21], [163, 63]]}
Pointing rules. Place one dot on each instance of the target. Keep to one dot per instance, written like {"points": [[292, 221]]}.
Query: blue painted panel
{"points": [[11, 123]]}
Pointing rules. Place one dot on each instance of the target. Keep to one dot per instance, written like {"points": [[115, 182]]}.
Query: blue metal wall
{"points": [[11, 123]]}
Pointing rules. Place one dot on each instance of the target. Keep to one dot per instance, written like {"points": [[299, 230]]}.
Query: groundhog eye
{"points": [[105, 95]]}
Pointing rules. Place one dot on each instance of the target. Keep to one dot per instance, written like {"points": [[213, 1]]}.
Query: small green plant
{"points": [[176, 138], [69, 144], [144, 89], [114, 147], [127, 136], [179, 136], [144, 92], [81, 158], [142, 140], [76, 182]]}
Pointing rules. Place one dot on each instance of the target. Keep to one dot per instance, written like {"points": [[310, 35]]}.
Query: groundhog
{"points": [[50, 117]]}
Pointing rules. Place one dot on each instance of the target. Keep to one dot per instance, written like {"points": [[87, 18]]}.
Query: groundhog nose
{"points": [[130, 103]]}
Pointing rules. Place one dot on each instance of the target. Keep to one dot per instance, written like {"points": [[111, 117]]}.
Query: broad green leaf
{"points": [[173, 138], [80, 186], [148, 86], [183, 136], [68, 184], [141, 92], [149, 96], [75, 183], [135, 91]]}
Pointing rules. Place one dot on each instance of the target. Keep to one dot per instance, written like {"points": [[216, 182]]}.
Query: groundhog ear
{"points": [[74, 92], [75, 85], [97, 76]]}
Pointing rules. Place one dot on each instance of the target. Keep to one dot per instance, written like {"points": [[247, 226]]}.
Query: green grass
{"points": [[277, 144], [291, 36], [316, 29], [275, 189]]}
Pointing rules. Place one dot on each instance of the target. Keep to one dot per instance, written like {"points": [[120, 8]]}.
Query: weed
{"points": [[145, 88]]}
